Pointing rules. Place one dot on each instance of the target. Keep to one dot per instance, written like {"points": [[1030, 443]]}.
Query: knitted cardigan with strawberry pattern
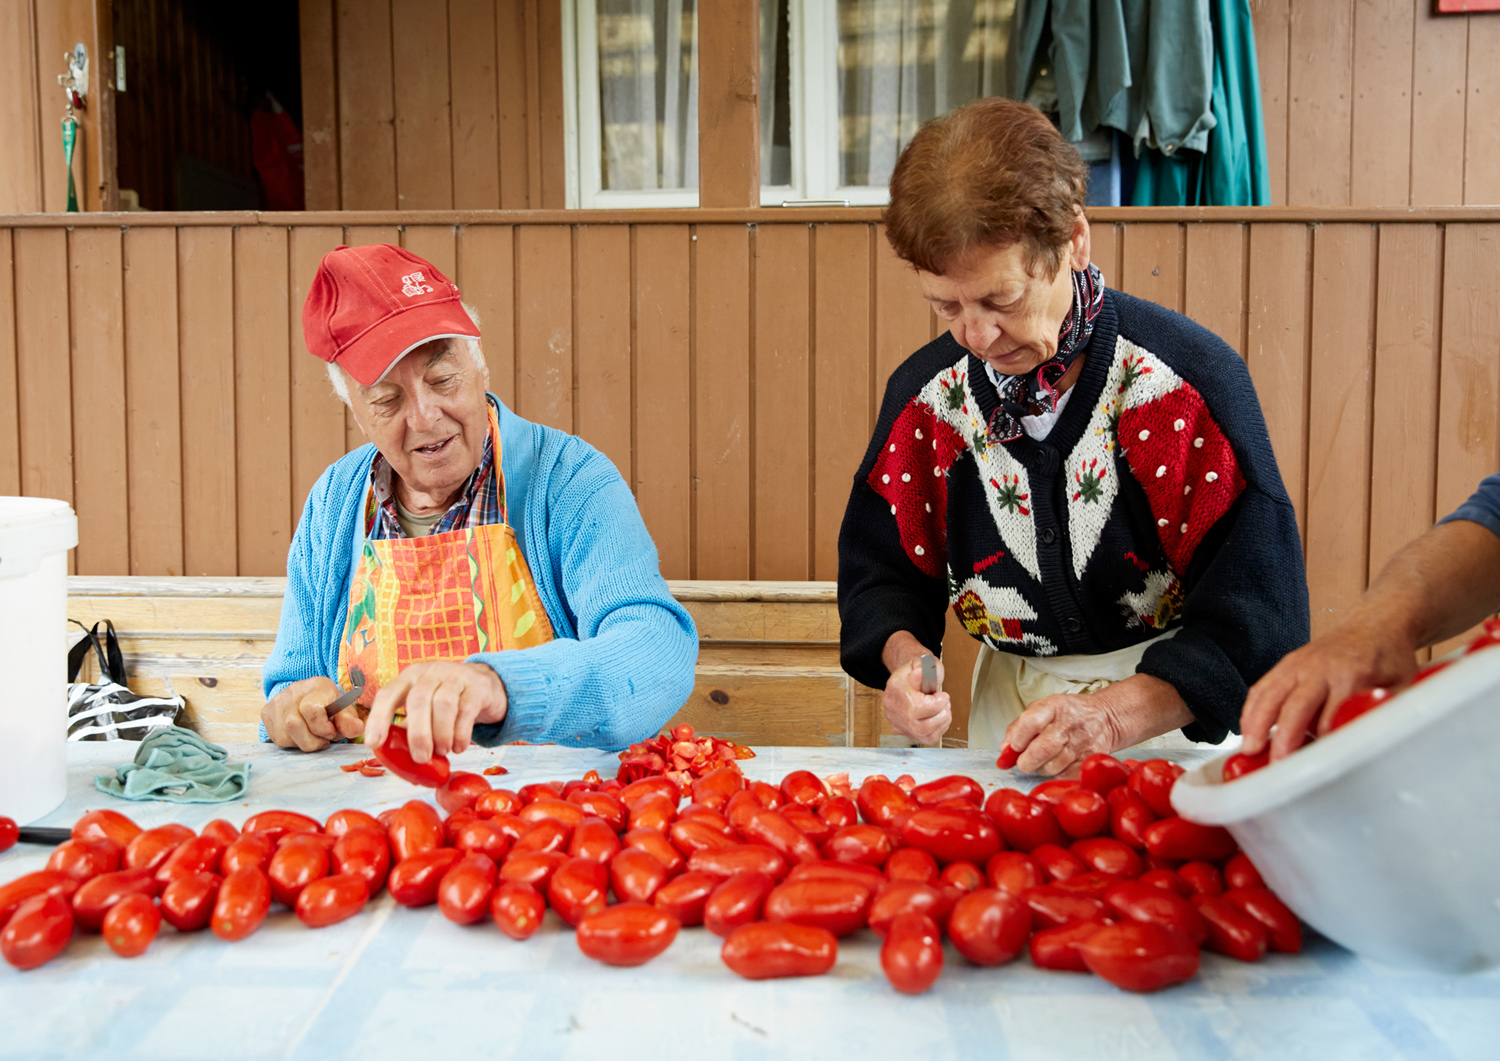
{"points": [[1153, 504]]}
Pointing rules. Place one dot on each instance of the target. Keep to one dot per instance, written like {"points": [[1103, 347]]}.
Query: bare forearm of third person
{"points": [[1437, 586]]}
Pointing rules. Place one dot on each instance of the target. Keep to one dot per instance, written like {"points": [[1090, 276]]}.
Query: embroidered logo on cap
{"points": [[413, 285]]}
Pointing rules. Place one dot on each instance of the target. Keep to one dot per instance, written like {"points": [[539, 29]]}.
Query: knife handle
{"points": [[39, 834]]}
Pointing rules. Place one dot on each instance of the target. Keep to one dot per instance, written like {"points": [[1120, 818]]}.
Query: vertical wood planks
{"points": [[1440, 66], [262, 360], [436, 244], [20, 124], [512, 97], [317, 415], [420, 79], [728, 103], [544, 325], [1468, 443], [1214, 280], [1338, 458], [1482, 114], [843, 396], [1276, 351], [206, 332], [1404, 453], [1382, 96], [1273, 57], [96, 314], [486, 276], [43, 379], [721, 403], [366, 106], [1104, 251], [476, 132], [1319, 118], [1151, 263], [781, 379], [602, 341], [663, 397], [10, 438], [903, 319], [153, 407], [320, 104], [549, 75]]}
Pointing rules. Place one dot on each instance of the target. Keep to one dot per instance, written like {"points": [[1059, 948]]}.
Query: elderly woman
{"points": [[489, 577], [1084, 477]]}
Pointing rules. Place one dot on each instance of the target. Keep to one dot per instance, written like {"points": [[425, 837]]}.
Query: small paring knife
{"points": [[357, 689], [929, 673]]}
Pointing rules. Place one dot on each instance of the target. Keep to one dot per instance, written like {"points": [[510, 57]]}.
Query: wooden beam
{"points": [[729, 103]]}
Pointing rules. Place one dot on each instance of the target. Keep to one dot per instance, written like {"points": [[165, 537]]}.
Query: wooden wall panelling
{"points": [[10, 438], [602, 342], [550, 127], [663, 395], [1382, 95], [1482, 113], [544, 325], [844, 390], [43, 377], [1276, 351], [1104, 250], [486, 276], [317, 415], [320, 103], [1440, 68], [362, 236], [1151, 265], [206, 334], [20, 112], [1214, 280], [367, 134], [1404, 454], [1273, 52], [721, 402], [512, 100], [437, 244], [781, 380], [1338, 459], [100, 475], [475, 113], [262, 368], [903, 319], [729, 103], [420, 81], [153, 406], [1320, 111]]}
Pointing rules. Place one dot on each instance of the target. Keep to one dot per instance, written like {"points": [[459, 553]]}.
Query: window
{"points": [[844, 85]]}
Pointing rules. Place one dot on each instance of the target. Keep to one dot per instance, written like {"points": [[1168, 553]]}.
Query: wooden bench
{"points": [[768, 666]]}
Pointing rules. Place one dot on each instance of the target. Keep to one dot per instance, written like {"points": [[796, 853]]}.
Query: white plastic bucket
{"points": [[1385, 834], [35, 536]]}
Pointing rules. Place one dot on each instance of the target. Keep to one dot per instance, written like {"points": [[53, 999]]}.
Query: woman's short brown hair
{"points": [[992, 173]]}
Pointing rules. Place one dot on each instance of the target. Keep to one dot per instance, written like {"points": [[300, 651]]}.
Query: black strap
{"points": [[111, 659]]}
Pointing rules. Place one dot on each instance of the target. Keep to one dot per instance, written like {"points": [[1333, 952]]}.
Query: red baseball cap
{"points": [[371, 306]]}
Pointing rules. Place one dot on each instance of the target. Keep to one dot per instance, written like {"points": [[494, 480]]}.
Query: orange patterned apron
{"points": [[438, 597]]}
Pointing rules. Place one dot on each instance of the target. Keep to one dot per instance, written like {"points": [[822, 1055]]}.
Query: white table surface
{"points": [[408, 984]]}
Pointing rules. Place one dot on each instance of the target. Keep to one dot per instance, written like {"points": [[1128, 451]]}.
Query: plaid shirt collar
{"points": [[479, 503]]}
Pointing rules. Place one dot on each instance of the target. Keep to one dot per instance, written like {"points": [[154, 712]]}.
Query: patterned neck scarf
{"points": [[1039, 386]]}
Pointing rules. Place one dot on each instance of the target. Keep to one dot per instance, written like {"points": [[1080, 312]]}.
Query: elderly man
{"points": [[490, 578]]}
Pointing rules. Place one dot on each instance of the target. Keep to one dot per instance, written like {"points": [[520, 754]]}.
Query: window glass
{"points": [[775, 93], [648, 94]]}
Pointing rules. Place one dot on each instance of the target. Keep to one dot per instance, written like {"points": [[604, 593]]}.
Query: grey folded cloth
{"points": [[177, 765]]}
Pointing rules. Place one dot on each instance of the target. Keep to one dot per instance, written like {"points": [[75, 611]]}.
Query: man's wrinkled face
{"points": [[429, 418]]}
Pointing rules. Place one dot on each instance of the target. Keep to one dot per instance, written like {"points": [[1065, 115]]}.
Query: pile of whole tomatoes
{"points": [[1094, 875]]}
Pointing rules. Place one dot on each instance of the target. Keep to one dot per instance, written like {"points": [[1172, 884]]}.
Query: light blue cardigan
{"points": [[624, 651]]}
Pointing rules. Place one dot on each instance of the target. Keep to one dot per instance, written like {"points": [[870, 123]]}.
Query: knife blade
{"points": [[929, 673], [356, 690]]}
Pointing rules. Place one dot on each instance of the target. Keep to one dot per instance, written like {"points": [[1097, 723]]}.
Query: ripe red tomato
{"points": [[1169, 880], [1007, 758], [593, 838], [840, 906], [395, 755], [708, 816], [1102, 772], [1051, 906], [1231, 930], [1105, 854], [85, 859], [1057, 948], [106, 825], [656, 843], [898, 897], [1081, 812], [456, 821], [989, 927], [94, 898], [1092, 885], [517, 909], [131, 925], [246, 850], [414, 828], [485, 837], [341, 821], [1058, 863], [725, 862], [911, 863], [276, 824], [10, 832], [1128, 816], [332, 899], [880, 802], [498, 801], [549, 809], [1240, 872], [635, 875], [912, 954], [1136, 901], [627, 934], [688, 836], [414, 881], [653, 810], [534, 868], [715, 788], [686, 896], [243, 902], [804, 787], [37, 932], [1153, 782], [1139, 956], [187, 904], [1263, 905], [1239, 764], [868, 844], [808, 823], [546, 835], [1024, 823], [763, 951], [363, 849], [739, 900], [954, 786], [151, 848], [293, 867], [461, 789], [638, 789], [602, 805], [201, 854], [578, 889], [28, 886], [1013, 872], [840, 812], [1202, 877], [951, 835], [771, 827], [1357, 704], [465, 890], [965, 876], [222, 831], [1176, 837]]}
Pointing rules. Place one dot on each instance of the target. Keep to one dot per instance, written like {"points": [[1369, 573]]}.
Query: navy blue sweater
{"points": [[1154, 503]]}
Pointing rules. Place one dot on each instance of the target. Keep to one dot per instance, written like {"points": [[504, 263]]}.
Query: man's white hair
{"points": [[339, 379]]}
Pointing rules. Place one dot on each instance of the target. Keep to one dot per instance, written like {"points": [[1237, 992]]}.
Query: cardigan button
{"points": [[1072, 624], [1048, 535]]}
